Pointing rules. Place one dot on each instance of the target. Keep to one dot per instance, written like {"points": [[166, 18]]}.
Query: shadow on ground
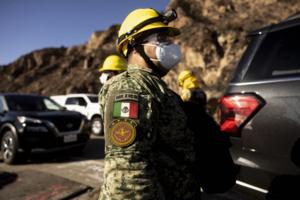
{"points": [[7, 178], [36, 186]]}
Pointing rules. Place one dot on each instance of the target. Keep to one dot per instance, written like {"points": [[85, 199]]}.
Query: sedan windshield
{"points": [[31, 103]]}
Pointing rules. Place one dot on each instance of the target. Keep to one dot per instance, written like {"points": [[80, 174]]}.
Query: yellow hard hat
{"points": [[141, 20], [187, 80], [113, 63], [184, 75]]}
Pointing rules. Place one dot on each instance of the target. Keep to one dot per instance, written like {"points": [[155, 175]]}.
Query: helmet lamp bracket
{"points": [[169, 16]]}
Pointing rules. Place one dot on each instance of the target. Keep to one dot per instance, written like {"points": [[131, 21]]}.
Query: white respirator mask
{"points": [[104, 77], [167, 54]]}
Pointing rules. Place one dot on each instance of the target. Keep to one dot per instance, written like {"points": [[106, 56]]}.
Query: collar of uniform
{"points": [[132, 67]]}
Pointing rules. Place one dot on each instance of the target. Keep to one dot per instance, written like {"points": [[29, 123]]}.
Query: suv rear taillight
{"points": [[236, 110]]}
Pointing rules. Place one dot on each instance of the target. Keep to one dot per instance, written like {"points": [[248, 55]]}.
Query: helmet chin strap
{"points": [[158, 70]]}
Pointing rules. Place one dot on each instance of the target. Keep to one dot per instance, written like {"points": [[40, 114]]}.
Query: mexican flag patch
{"points": [[126, 109]]}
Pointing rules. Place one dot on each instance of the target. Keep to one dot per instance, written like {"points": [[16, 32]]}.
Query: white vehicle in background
{"points": [[87, 104]]}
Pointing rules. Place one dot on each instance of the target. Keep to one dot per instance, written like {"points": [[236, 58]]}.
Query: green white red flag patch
{"points": [[126, 109]]}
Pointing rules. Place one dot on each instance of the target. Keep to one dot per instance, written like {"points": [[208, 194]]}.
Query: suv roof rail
{"points": [[294, 16], [292, 20]]}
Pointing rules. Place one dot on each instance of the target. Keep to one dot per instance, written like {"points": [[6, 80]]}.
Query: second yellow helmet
{"points": [[113, 63], [187, 79]]}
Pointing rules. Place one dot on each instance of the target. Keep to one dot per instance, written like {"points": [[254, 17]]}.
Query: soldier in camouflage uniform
{"points": [[149, 150]]}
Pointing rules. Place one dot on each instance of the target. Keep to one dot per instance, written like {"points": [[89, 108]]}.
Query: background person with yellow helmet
{"points": [[215, 167], [112, 66], [148, 149], [190, 88]]}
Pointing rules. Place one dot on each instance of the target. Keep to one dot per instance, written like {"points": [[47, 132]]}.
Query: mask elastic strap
{"points": [[151, 45], [155, 68]]}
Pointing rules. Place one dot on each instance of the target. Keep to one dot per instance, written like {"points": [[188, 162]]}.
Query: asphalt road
{"points": [[42, 168], [76, 176]]}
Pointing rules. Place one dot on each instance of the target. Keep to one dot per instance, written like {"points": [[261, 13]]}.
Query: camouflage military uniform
{"points": [[148, 149]]}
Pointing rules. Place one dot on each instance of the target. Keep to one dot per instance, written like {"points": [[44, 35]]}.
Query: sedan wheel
{"points": [[8, 147]]}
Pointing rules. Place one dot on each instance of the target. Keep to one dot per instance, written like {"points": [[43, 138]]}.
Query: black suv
{"points": [[260, 109], [30, 122]]}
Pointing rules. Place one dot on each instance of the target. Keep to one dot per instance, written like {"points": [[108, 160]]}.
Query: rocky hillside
{"points": [[60, 70], [212, 40]]}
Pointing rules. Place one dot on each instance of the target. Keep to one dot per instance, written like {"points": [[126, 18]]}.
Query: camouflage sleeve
{"points": [[130, 132], [101, 99]]}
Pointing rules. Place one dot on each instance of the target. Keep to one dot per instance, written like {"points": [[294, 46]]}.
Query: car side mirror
{"points": [[63, 108]]}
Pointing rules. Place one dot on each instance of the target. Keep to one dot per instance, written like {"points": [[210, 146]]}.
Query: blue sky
{"points": [[27, 25]]}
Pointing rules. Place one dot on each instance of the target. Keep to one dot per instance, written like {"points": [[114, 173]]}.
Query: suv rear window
{"points": [[76, 101], [277, 57], [93, 99]]}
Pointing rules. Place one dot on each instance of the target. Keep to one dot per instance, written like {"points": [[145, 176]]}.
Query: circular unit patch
{"points": [[122, 134]]}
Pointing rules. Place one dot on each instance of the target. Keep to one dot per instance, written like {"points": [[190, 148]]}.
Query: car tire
{"points": [[97, 126], [9, 147]]}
